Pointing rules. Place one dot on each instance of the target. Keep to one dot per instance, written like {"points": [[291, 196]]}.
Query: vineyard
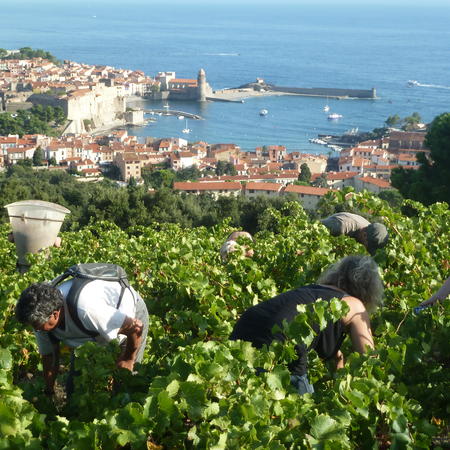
{"points": [[195, 388]]}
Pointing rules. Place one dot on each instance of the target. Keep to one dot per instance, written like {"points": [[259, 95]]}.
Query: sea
{"points": [[342, 44]]}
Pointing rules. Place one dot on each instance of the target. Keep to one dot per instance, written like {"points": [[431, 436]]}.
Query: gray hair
{"points": [[237, 234], [359, 277], [37, 303]]}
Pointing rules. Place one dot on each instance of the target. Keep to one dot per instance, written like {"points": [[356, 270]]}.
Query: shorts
{"points": [[302, 384]]}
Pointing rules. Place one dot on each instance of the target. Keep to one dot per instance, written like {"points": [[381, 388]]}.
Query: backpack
{"points": [[82, 274]]}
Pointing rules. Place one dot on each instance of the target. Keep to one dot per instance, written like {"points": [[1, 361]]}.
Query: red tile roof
{"points": [[376, 182], [307, 190], [263, 186], [204, 186]]}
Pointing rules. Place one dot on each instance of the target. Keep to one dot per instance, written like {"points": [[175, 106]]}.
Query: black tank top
{"points": [[256, 324]]}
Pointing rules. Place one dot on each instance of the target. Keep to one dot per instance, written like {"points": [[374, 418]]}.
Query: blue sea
{"points": [[335, 44]]}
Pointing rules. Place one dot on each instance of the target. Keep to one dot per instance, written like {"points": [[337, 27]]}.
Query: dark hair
{"points": [[37, 303], [377, 237], [358, 276]]}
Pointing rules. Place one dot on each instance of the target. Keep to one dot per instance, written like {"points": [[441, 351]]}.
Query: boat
{"points": [[186, 130], [180, 117], [263, 112], [334, 116], [326, 108], [412, 83], [317, 141]]}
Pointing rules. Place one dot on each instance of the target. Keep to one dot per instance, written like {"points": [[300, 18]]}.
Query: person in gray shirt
{"points": [[372, 235]]}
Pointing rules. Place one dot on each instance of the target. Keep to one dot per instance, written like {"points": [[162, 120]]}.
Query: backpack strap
{"points": [[124, 284], [72, 302]]}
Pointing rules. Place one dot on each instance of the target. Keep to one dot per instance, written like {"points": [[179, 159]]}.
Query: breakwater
{"points": [[261, 86], [326, 92]]}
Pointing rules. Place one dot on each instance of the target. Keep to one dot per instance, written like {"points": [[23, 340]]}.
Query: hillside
{"points": [[195, 389]]}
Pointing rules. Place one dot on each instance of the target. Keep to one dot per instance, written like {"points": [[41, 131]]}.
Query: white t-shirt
{"points": [[97, 311]]}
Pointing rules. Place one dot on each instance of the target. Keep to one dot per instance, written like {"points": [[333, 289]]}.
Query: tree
{"points": [[305, 173], [393, 197], [410, 122], [189, 173], [52, 161], [321, 181], [429, 183], [391, 121], [159, 178], [225, 168], [38, 156]]}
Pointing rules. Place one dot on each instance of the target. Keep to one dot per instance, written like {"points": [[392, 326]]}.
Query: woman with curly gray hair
{"points": [[355, 280]]}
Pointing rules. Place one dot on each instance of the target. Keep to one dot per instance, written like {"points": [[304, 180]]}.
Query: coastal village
{"points": [[94, 100]]}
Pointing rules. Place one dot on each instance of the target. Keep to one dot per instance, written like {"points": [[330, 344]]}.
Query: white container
{"points": [[35, 225]]}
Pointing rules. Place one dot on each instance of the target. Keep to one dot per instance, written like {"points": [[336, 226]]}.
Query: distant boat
{"points": [[263, 112], [412, 83], [180, 117], [186, 130], [334, 116], [326, 108]]}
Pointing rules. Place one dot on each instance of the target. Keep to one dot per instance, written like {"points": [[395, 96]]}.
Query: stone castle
{"points": [[173, 88]]}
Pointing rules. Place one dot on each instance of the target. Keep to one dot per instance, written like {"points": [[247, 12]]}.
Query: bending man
{"points": [[372, 235], [45, 308]]}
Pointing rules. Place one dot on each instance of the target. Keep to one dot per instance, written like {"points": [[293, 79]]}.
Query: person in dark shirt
{"points": [[355, 280]]}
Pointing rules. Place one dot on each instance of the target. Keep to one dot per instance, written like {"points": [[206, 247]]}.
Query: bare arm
{"points": [[132, 329], [358, 322], [339, 359], [441, 294], [50, 365]]}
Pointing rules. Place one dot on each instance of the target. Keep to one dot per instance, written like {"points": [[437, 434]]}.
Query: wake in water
{"points": [[436, 86], [222, 54]]}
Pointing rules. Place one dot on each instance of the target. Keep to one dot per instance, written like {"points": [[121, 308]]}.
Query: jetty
{"points": [[172, 112], [260, 88]]}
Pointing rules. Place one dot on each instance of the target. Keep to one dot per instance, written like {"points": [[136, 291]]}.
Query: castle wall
{"points": [[102, 106]]}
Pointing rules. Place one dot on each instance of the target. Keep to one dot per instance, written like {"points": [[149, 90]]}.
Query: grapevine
{"points": [[197, 389]]}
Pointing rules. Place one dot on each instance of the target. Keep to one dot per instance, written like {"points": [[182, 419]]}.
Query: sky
{"points": [[379, 3]]}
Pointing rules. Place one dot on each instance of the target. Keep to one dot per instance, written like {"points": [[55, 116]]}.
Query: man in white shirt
{"points": [[103, 319]]}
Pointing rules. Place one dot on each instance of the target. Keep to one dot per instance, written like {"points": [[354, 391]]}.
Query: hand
{"points": [[430, 302], [126, 364]]}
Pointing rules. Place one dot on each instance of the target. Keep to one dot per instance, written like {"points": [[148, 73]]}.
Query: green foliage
{"points": [[391, 121], [305, 173], [410, 122], [320, 181], [37, 120], [128, 207], [38, 157], [225, 168], [195, 388], [28, 53], [393, 197], [429, 183]]}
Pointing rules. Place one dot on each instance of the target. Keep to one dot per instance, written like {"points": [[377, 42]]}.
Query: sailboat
{"points": [[326, 108], [186, 130]]}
